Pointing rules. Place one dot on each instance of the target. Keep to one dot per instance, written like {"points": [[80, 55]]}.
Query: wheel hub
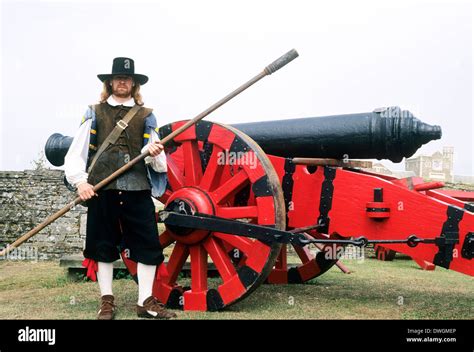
{"points": [[189, 200]]}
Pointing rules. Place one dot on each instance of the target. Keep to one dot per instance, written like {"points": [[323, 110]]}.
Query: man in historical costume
{"points": [[121, 216]]}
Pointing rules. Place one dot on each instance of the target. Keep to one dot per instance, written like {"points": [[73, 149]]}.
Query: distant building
{"points": [[403, 174], [437, 167], [380, 169]]}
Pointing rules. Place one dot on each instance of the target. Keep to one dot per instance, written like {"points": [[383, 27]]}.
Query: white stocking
{"points": [[105, 275], [146, 277]]}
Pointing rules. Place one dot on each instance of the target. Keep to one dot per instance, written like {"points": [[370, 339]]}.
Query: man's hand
{"points": [[155, 148], [85, 191]]}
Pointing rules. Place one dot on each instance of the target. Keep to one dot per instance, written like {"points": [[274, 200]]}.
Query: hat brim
{"points": [[140, 79]]}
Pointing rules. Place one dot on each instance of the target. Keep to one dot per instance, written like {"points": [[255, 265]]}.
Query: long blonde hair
{"points": [[107, 92]]}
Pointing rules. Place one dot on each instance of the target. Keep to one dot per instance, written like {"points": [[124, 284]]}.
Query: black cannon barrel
{"points": [[389, 133], [385, 133]]}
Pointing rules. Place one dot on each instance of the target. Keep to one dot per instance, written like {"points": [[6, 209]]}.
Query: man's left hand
{"points": [[155, 148]]}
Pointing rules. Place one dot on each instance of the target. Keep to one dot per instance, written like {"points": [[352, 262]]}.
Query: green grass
{"points": [[374, 290]]}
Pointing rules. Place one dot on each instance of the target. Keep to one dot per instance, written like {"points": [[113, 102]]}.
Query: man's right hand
{"points": [[85, 191]]}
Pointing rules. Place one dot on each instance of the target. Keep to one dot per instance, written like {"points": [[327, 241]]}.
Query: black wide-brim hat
{"points": [[124, 66]]}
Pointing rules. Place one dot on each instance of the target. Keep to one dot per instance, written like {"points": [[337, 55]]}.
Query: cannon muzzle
{"points": [[56, 148]]}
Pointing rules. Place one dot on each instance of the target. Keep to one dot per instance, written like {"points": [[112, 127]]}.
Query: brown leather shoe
{"points": [[154, 310], [107, 308]]}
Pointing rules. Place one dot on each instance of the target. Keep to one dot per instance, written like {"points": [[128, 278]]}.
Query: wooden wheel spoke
{"points": [[192, 163], [164, 197], [176, 261], [166, 239], [198, 268], [175, 177], [282, 260], [230, 187], [238, 212], [220, 258], [241, 243], [213, 171], [304, 253]]}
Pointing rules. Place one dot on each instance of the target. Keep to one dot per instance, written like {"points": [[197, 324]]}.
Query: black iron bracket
{"points": [[449, 237], [264, 233]]}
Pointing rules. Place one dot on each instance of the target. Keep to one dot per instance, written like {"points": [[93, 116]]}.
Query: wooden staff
{"points": [[273, 67]]}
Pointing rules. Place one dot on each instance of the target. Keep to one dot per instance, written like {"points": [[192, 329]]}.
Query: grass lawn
{"points": [[374, 290]]}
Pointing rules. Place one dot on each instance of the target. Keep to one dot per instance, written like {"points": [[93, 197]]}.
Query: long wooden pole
{"points": [[273, 67]]}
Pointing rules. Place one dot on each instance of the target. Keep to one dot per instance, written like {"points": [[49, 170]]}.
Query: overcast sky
{"points": [[354, 56]]}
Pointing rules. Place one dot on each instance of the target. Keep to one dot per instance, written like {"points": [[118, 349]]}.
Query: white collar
{"points": [[111, 100]]}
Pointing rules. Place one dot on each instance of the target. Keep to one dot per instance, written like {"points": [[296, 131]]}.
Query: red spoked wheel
{"points": [[217, 170], [311, 262]]}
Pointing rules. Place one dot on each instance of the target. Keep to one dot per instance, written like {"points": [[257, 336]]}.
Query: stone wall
{"points": [[29, 197]]}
